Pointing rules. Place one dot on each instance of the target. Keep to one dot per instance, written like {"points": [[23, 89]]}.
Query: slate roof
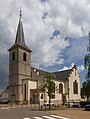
{"points": [[59, 75], [41, 72], [62, 75]]}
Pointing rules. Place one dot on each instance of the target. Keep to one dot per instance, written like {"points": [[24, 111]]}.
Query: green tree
{"points": [[87, 65], [87, 60], [85, 90], [86, 85], [49, 86]]}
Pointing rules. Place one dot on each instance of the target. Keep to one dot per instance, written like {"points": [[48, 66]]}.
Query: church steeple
{"points": [[20, 34], [19, 66], [20, 40]]}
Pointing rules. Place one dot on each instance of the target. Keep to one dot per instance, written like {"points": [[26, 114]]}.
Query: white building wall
{"points": [[74, 76], [67, 88], [31, 85], [58, 96]]}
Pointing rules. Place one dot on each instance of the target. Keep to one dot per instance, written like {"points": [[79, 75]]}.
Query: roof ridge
{"points": [[62, 70]]}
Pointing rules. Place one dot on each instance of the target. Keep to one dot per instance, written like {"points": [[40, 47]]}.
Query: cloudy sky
{"points": [[55, 30]]}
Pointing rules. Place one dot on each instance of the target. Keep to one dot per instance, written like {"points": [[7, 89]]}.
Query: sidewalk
{"points": [[74, 113], [15, 106]]}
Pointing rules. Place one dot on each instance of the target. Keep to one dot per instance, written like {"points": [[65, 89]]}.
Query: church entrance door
{"points": [[35, 98]]}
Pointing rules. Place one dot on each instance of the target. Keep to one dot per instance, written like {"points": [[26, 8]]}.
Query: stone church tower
{"points": [[19, 65]]}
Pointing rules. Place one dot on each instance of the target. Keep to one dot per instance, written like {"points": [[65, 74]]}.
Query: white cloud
{"points": [[80, 68], [66, 16], [66, 68], [50, 52]]}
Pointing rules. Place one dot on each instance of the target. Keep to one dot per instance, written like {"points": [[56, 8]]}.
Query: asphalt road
{"points": [[19, 113], [28, 113]]}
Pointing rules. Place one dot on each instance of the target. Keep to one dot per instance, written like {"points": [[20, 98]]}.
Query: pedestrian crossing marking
{"points": [[5, 108], [60, 117], [37, 117], [48, 117]]}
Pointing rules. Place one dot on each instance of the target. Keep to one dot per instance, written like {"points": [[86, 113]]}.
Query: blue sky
{"points": [[55, 30]]}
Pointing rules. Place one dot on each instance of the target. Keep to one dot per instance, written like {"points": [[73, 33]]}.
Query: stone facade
{"points": [[67, 94], [24, 80], [19, 67]]}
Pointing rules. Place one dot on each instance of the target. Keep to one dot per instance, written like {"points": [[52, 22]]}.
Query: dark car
{"points": [[87, 107]]}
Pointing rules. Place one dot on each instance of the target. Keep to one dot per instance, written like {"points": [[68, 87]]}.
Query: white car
{"points": [[46, 103]]}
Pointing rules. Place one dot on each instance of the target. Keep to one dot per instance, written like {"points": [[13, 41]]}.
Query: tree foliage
{"points": [[49, 86], [87, 65], [85, 90]]}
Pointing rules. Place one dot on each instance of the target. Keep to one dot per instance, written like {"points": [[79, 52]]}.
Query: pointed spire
{"points": [[20, 34], [20, 41], [20, 12]]}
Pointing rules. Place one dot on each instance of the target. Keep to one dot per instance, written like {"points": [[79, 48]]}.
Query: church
{"points": [[24, 79]]}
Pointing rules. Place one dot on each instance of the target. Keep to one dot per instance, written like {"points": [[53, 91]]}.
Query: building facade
{"points": [[24, 80]]}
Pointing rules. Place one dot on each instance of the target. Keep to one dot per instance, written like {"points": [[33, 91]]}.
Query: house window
{"points": [[75, 87], [24, 91], [53, 87], [60, 88], [13, 56], [24, 57]]}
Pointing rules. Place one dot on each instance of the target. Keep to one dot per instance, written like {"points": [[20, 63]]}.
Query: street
{"points": [[19, 113], [28, 113]]}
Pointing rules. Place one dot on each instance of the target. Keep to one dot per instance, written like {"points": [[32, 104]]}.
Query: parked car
{"points": [[69, 104], [46, 103], [4, 101], [72, 104], [76, 104], [87, 107]]}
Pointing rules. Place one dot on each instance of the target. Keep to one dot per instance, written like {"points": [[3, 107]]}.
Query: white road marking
{"points": [[60, 117], [37, 117], [5, 108], [48, 117]]}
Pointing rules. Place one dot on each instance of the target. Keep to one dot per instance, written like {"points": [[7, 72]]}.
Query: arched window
{"points": [[60, 88], [75, 87], [24, 57], [53, 87], [24, 91], [53, 90], [13, 56]]}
